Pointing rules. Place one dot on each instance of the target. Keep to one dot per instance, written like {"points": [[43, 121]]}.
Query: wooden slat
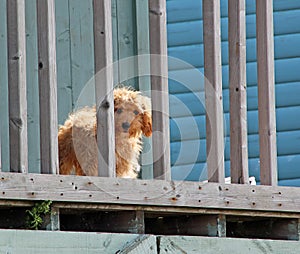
{"points": [[212, 245], [38, 241], [159, 194], [104, 87], [159, 89], [221, 225], [142, 244], [47, 85], [238, 98], [17, 85], [213, 90], [4, 123], [266, 92]]}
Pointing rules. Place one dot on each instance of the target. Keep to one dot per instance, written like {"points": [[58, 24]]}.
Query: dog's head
{"points": [[132, 113]]}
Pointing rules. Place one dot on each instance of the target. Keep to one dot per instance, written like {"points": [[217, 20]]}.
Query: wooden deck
{"points": [[158, 206]]}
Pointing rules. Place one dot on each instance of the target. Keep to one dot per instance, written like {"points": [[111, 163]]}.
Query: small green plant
{"points": [[36, 214]]}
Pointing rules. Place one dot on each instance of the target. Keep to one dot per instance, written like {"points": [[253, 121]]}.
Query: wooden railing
{"points": [[150, 195]]}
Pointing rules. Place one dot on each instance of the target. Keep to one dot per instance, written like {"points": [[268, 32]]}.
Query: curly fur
{"points": [[77, 137]]}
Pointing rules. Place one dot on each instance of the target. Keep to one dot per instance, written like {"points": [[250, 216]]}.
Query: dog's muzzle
{"points": [[125, 126]]}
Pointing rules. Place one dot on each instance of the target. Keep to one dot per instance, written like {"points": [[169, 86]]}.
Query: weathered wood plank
{"points": [[127, 42], [4, 123], [30, 242], [33, 122], [211, 245], [81, 48], [238, 99], [142, 244], [221, 225], [96, 190], [16, 43], [63, 59], [104, 87], [158, 209], [213, 90], [47, 85], [266, 92], [159, 89]]}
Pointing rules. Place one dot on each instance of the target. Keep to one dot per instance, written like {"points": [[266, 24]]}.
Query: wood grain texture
{"points": [[4, 123], [238, 98], [159, 89], [211, 245], [213, 90], [16, 43], [47, 85], [63, 59], [104, 87], [266, 92], [97, 190], [33, 121], [35, 242], [142, 244]]}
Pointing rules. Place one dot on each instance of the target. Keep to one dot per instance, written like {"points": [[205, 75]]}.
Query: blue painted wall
{"points": [[185, 41]]}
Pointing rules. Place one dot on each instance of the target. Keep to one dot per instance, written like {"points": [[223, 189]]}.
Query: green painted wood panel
{"points": [[212, 245], [32, 87], [3, 89], [36, 242], [127, 41], [81, 45], [63, 59], [144, 82]]}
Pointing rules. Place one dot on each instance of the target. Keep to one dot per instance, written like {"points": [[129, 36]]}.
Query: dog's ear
{"points": [[147, 124]]}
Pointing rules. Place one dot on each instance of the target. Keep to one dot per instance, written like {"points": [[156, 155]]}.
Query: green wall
{"points": [[75, 62]]}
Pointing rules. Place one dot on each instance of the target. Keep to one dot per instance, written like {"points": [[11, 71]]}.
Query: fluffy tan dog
{"points": [[77, 137]]}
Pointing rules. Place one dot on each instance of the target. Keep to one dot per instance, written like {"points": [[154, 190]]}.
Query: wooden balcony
{"points": [[159, 206]]}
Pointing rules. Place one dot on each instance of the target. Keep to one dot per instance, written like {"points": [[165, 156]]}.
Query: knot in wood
{"points": [[16, 122], [105, 104]]}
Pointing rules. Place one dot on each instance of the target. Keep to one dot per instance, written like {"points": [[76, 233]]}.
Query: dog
{"points": [[77, 143]]}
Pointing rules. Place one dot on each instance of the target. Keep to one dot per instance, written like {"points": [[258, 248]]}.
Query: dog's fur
{"points": [[77, 137]]}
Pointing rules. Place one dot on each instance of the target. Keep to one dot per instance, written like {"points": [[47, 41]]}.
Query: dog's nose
{"points": [[125, 125]]}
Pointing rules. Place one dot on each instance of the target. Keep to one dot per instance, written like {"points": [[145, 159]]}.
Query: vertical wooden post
{"points": [[238, 96], [266, 92], [16, 43], [159, 87], [104, 87], [48, 92], [139, 223], [221, 220], [213, 90], [47, 86]]}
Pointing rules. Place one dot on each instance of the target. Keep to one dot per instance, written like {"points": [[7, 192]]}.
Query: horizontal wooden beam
{"points": [[116, 191]]}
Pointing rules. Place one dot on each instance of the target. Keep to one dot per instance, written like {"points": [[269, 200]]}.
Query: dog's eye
{"points": [[119, 111], [135, 112]]}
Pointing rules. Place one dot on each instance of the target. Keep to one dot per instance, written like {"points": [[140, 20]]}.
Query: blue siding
{"points": [[185, 42]]}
